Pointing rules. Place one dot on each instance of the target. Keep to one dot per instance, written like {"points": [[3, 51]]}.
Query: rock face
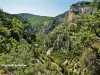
{"points": [[88, 9], [58, 19], [80, 7], [72, 14], [49, 51]]}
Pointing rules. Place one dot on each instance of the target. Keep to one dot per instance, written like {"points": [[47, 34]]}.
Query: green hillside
{"points": [[35, 19], [65, 45]]}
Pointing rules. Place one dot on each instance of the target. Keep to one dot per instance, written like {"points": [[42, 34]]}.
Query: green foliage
{"points": [[35, 19], [96, 3], [74, 46]]}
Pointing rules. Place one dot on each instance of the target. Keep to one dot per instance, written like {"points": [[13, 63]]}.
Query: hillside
{"points": [[68, 44], [35, 19]]}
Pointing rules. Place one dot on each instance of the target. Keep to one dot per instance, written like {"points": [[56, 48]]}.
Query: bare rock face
{"points": [[49, 51], [66, 62], [80, 7], [88, 9], [56, 20]]}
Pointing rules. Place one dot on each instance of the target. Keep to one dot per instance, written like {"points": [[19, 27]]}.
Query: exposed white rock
{"points": [[66, 61], [49, 51], [87, 9]]}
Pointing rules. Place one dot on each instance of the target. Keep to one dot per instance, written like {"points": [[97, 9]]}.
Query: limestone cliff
{"points": [[80, 7]]}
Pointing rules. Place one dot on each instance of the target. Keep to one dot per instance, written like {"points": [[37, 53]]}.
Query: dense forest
{"points": [[68, 44]]}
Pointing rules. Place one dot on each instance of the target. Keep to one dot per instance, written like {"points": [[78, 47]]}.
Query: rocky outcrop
{"points": [[72, 14], [88, 9], [49, 51], [80, 7], [58, 19]]}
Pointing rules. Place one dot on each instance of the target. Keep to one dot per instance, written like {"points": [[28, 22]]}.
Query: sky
{"points": [[37, 7]]}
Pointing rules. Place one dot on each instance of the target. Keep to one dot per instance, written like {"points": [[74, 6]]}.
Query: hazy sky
{"points": [[38, 7]]}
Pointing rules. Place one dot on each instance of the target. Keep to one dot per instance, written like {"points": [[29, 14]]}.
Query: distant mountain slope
{"points": [[35, 19]]}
